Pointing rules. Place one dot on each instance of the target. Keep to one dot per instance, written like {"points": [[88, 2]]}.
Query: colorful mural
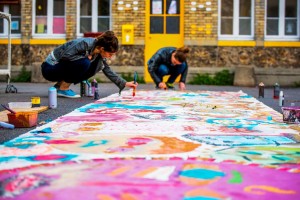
{"points": [[157, 145]]}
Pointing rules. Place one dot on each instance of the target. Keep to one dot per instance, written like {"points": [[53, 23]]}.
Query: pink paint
{"points": [[60, 142], [93, 118]]}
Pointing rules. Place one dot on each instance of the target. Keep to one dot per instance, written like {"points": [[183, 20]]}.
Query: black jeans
{"points": [[69, 71]]}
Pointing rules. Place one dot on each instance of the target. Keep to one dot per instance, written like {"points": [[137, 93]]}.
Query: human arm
{"points": [[115, 78], [153, 65]]}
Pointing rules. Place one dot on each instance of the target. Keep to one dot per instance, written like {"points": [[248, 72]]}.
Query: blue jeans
{"points": [[173, 71], [69, 71]]}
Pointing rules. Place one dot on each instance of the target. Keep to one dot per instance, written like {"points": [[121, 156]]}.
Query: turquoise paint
{"points": [[202, 174], [120, 106], [5, 159], [251, 152], [245, 97], [95, 143], [281, 158], [26, 142]]}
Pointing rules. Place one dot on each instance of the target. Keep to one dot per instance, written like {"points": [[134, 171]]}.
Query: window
{"points": [[236, 19], [49, 18], [94, 16], [15, 11], [282, 19]]}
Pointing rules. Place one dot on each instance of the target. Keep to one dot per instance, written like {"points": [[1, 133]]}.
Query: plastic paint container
{"points": [[23, 119], [36, 102]]}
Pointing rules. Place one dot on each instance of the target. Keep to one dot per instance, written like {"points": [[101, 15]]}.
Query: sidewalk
{"points": [[66, 105]]}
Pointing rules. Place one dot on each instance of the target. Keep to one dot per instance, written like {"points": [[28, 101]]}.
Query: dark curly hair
{"points": [[108, 41]]}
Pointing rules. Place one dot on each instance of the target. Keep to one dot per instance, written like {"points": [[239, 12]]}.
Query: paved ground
{"points": [[66, 105]]}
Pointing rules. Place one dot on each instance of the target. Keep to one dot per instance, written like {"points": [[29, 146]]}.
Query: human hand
{"points": [[131, 84], [162, 85], [181, 86]]}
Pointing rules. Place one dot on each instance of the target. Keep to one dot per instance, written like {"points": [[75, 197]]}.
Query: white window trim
{"points": [[281, 36], [94, 17], [5, 24], [49, 33], [236, 18]]}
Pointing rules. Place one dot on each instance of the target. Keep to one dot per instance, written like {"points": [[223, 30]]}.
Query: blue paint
{"points": [[26, 142], [250, 152], [238, 123], [64, 157], [95, 143], [246, 97], [240, 140], [5, 159], [205, 174], [119, 106], [281, 158], [45, 130]]}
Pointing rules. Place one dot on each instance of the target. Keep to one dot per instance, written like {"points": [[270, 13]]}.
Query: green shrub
{"points": [[223, 77], [297, 84], [23, 76]]}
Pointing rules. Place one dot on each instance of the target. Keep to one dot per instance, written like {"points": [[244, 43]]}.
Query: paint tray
{"points": [[23, 119], [291, 114]]}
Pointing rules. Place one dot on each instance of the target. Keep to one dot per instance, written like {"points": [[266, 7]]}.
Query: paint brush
{"points": [[7, 108], [134, 81]]}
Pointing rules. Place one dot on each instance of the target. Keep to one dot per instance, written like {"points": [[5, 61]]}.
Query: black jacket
{"points": [[163, 56]]}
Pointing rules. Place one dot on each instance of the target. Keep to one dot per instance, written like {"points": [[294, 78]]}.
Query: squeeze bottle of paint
{"points": [[52, 97], [276, 91], [261, 90], [281, 98]]}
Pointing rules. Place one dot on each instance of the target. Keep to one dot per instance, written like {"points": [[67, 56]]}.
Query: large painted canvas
{"points": [[157, 145]]}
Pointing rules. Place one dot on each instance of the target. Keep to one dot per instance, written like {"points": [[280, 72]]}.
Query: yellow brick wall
{"points": [[129, 16], [200, 25]]}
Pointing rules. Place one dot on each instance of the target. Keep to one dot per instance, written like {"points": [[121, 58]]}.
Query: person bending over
{"points": [[169, 61], [79, 59]]}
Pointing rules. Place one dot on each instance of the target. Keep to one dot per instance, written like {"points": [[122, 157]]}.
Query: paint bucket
{"points": [[23, 119]]}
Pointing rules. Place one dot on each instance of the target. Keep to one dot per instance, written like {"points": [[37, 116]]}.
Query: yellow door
{"points": [[164, 27]]}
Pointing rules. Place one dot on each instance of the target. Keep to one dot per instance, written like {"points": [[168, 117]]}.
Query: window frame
{"points": [[94, 16], [5, 24], [281, 31], [50, 17], [236, 18]]}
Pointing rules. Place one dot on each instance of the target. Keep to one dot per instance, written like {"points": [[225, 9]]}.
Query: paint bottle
{"points": [[261, 90], [93, 86], [7, 125], [276, 91], [82, 88], [281, 98], [35, 102], [96, 94], [52, 97]]}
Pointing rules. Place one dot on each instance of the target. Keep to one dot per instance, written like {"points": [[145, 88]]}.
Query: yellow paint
{"points": [[153, 42], [281, 44], [261, 189], [119, 171], [145, 172], [236, 43]]}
